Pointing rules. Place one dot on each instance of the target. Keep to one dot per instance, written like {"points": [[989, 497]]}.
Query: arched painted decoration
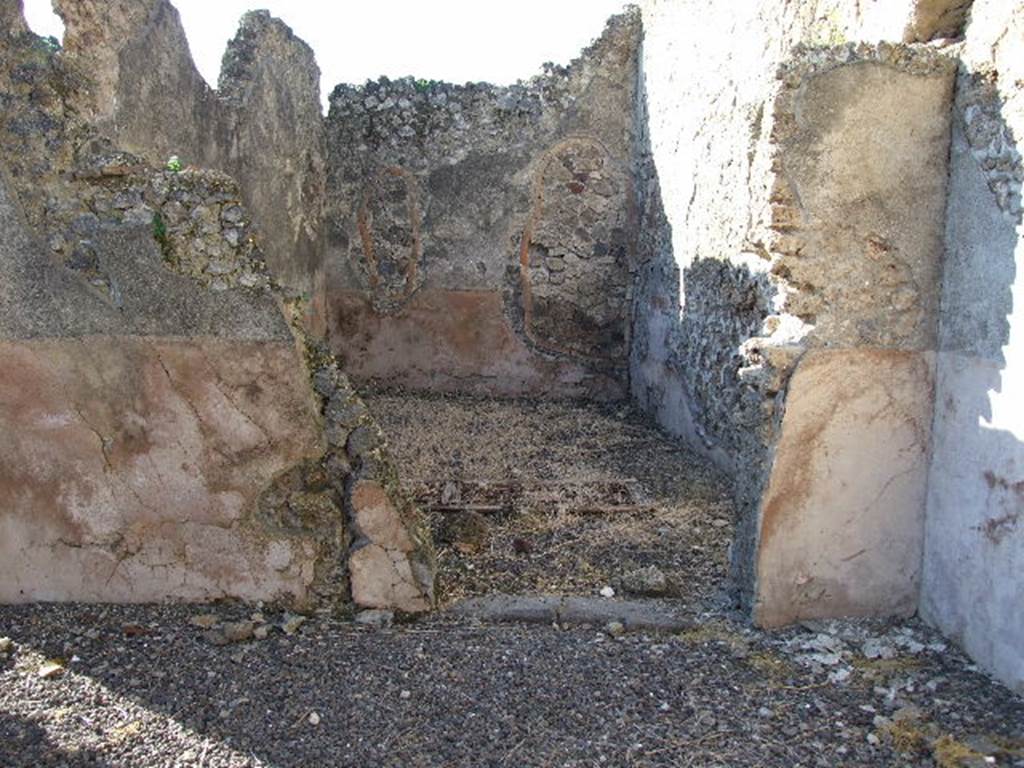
{"points": [[575, 253], [389, 230]]}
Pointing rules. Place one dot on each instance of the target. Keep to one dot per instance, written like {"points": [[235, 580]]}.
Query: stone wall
{"points": [[262, 125], [172, 433], [974, 546], [702, 165], [138, 439], [706, 184], [804, 364], [270, 137], [779, 220], [861, 137], [483, 238]]}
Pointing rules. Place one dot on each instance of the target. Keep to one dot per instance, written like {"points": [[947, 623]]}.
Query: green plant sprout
{"points": [[161, 236]]}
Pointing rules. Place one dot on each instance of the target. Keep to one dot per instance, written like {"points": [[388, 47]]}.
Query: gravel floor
{"points": [[141, 686], [588, 494]]}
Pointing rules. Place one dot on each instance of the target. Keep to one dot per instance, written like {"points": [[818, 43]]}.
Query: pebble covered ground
{"points": [[235, 685], [144, 686]]}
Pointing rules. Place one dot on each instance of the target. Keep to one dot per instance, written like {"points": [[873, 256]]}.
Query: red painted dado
{"points": [[133, 464], [453, 341]]}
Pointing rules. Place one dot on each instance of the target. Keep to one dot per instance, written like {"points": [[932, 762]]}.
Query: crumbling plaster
{"points": [[140, 435], [175, 433]]}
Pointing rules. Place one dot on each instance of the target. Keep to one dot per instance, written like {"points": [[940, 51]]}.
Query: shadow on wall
{"points": [[688, 360], [974, 537], [689, 328]]}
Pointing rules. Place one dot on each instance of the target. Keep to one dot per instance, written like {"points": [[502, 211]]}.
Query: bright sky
{"points": [[453, 40]]}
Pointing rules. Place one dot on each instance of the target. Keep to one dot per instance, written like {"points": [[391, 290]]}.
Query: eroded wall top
{"points": [[263, 125]]}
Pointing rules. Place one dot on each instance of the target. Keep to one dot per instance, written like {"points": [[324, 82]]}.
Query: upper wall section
{"points": [[706, 184], [270, 136], [483, 238], [858, 195], [144, 91], [480, 238], [263, 125]]}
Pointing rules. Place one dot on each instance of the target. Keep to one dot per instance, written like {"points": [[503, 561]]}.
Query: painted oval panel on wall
{"points": [[575, 253], [389, 231]]}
